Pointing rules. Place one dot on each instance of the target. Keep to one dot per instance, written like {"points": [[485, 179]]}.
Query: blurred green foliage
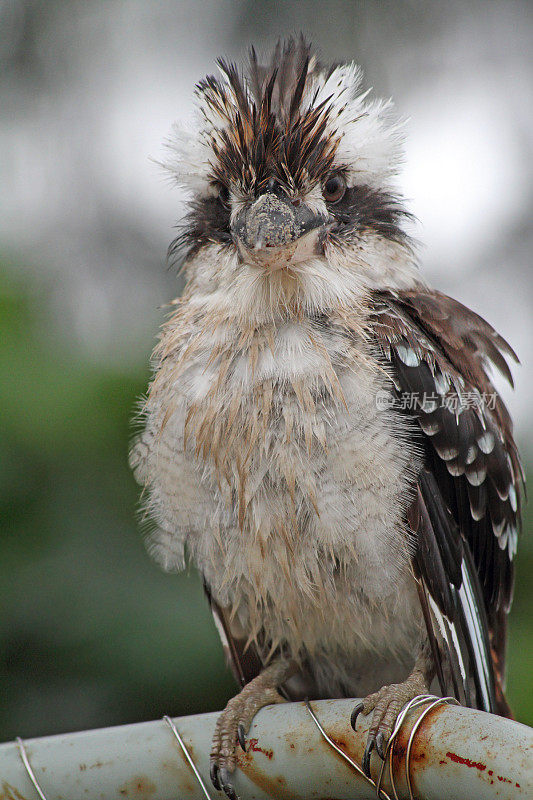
{"points": [[92, 632]]}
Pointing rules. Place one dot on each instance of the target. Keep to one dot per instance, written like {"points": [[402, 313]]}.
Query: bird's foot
{"points": [[234, 723], [386, 705]]}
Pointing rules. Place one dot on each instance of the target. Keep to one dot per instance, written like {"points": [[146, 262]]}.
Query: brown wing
{"points": [[240, 656], [466, 509]]}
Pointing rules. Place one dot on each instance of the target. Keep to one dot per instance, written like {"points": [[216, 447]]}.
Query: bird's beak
{"points": [[275, 233]]}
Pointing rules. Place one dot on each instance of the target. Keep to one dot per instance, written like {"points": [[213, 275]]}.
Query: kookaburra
{"points": [[322, 438]]}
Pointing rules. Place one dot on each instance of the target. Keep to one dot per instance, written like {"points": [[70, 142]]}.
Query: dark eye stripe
{"points": [[361, 208], [208, 221], [224, 195]]}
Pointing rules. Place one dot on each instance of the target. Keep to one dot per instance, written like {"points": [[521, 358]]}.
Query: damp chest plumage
{"points": [[285, 481]]}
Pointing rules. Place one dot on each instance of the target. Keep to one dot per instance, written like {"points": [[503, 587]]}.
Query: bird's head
{"points": [[290, 175]]}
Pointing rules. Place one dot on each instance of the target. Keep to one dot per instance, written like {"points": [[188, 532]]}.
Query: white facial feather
{"points": [[339, 278], [187, 162], [371, 138]]}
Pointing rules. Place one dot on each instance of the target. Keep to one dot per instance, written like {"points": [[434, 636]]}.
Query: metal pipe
{"points": [[455, 753]]}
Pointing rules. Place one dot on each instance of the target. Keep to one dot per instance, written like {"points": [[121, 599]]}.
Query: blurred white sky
{"points": [[89, 90]]}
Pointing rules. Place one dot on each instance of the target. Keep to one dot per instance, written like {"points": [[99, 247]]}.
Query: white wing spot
{"points": [[442, 383], [471, 454], [447, 453], [486, 442], [512, 498], [498, 527], [430, 427], [429, 405], [476, 477], [408, 356], [455, 468]]}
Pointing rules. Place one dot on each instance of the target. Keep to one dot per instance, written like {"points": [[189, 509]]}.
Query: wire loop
{"points": [[28, 768], [416, 702]]}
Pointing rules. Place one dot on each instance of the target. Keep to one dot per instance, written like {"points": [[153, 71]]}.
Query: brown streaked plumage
{"points": [[322, 437], [272, 134]]}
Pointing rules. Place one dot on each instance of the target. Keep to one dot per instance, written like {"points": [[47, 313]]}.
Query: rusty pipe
{"points": [[456, 753]]}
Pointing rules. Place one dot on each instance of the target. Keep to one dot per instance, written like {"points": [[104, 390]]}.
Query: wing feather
{"points": [[467, 507]]}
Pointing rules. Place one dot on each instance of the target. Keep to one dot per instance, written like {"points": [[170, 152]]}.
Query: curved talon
{"points": [[227, 786], [366, 756], [379, 745], [355, 713], [214, 775], [241, 736], [230, 792]]}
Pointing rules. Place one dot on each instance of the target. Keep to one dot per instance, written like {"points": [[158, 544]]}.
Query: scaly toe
{"points": [[390, 716], [386, 705], [234, 722]]}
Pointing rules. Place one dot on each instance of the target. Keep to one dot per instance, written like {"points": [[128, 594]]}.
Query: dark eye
{"points": [[334, 188], [224, 195]]}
